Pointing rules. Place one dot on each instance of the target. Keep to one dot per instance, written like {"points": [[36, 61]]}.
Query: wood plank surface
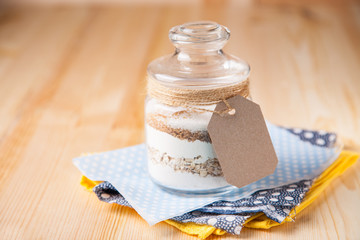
{"points": [[72, 80]]}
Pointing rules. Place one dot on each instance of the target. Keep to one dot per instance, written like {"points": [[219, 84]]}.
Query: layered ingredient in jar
{"points": [[180, 153]]}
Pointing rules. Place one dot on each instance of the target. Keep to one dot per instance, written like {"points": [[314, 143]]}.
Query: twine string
{"points": [[189, 98]]}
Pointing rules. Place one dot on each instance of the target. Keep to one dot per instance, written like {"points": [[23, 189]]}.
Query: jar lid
{"points": [[199, 61]]}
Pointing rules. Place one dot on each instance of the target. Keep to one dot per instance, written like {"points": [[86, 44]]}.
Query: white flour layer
{"points": [[176, 147], [183, 180]]}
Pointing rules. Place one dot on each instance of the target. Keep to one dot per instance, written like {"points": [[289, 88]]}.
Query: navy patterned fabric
{"points": [[232, 223], [276, 203], [108, 193], [318, 138]]}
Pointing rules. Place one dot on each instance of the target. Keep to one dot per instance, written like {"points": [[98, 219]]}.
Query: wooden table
{"points": [[72, 81]]}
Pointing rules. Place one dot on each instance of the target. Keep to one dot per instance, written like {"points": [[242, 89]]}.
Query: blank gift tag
{"points": [[242, 142]]}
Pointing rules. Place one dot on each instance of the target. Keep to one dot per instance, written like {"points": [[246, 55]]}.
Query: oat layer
{"points": [[210, 167]]}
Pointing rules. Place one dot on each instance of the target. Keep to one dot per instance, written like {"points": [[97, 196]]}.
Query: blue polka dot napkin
{"points": [[302, 156]]}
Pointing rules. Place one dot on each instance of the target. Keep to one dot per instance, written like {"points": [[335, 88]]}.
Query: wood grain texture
{"points": [[72, 81]]}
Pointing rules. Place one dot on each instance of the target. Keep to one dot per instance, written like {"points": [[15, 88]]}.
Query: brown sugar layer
{"points": [[211, 167], [158, 122]]}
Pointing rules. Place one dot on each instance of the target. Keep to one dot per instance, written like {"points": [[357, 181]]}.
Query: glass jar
{"points": [[180, 154]]}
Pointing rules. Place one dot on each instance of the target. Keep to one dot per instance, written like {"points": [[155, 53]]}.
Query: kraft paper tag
{"points": [[242, 142]]}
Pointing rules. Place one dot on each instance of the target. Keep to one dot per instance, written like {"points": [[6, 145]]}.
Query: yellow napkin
{"points": [[344, 161]]}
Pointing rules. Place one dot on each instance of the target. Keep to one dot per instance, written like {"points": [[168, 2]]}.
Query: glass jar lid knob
{"points": [[199, 35]]}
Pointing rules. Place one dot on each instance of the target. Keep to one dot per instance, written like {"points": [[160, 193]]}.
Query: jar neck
{"points": [[197, 51], [197, 55]]}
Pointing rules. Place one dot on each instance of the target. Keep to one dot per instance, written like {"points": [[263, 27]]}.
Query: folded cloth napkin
{"points": [[302, 155], [231, 216]]}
